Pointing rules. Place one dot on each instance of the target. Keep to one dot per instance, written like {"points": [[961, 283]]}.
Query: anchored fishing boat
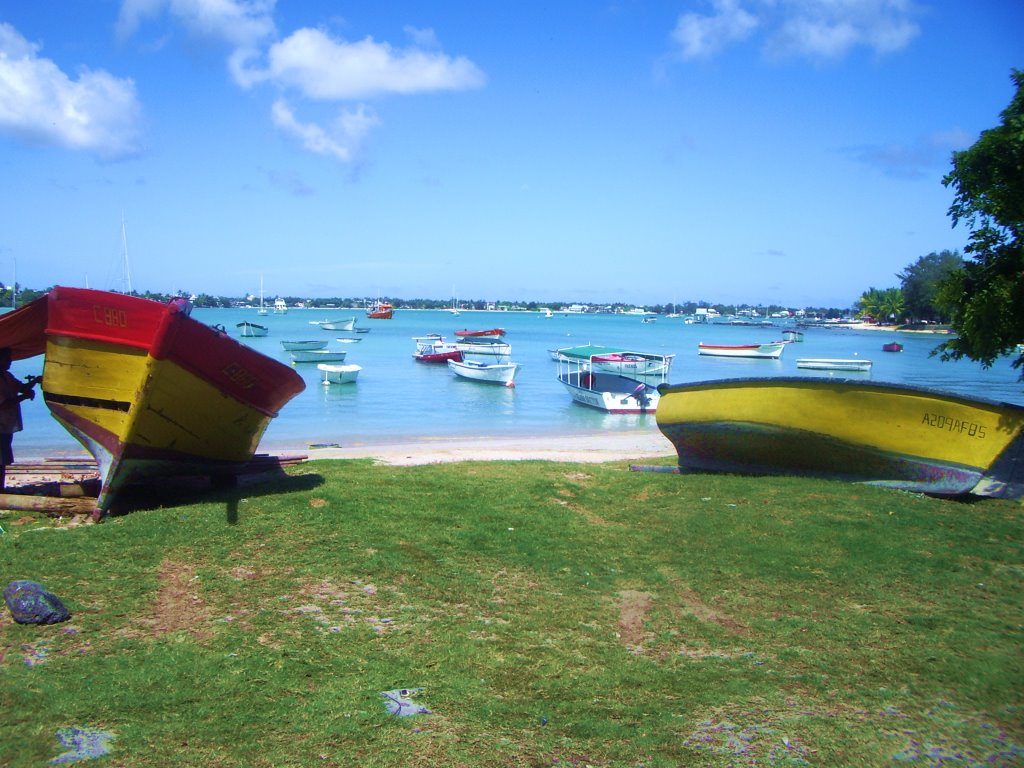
{"points": [[339, 374], [609, 389], [251, 330], [772, 350], [833, 364], [891, 435], [146, 389], [292, 346], [433, 348], [494, 373]]}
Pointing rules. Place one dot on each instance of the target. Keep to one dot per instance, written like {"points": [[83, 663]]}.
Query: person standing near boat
{"points": [[12, 392]]}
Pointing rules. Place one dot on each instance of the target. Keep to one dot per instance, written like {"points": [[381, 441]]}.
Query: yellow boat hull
{"points": [[148, 390], [886, 434]]}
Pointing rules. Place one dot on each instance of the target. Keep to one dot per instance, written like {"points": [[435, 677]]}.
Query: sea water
{"points": [[397, 398]]}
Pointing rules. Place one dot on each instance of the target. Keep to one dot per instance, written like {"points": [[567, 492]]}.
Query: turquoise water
{"points": [[397, 397]]}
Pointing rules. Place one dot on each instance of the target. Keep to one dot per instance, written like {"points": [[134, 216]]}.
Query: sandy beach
{"points": [[597, 447]]}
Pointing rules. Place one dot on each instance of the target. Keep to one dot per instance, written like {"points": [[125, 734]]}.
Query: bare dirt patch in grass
{"points": [[633, 609]]}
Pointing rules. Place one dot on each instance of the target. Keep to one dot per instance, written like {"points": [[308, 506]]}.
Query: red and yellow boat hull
{"points": [[149, 391]]}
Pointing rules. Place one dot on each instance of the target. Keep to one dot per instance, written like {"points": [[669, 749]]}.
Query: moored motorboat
{"points": [[771, 350], [494, 373], [339, 374], [632, 363], [833, 364], [892, 346], [344, 324], [318, 356], [280, 307], [612, 390], [380, 310], [792, 334], [892, 435], [291, 346], [145, 388], [483, 347], [492, 333], [433, 348], [250, 330]]}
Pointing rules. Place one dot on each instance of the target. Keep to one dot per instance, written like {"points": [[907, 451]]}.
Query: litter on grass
{"points": [[400, 704]]}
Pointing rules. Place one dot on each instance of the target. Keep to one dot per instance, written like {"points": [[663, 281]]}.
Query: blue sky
{"points": [[734, 151]]}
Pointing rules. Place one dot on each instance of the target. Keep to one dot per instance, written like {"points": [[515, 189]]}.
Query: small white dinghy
{"points": [[318, 356], [494, 373], [294, 346], [339, 374]]}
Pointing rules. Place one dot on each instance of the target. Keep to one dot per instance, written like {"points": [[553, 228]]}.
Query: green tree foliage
{"points": [[921, 280], [883, 306], [985, 298]]}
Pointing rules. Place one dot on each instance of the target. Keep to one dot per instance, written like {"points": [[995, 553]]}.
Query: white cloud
{"points": [[703, 36], [830, 29], [238, 23], [340, 141], [323, 68], [815, 29], [40, 104]]}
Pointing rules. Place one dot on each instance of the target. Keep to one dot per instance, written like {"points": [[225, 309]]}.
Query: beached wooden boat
{"points": [[249, 330], [772, 350], [318, 356], [833, 364], [292, 346], [610, 389], [433, 348], [145, 388], [492, 373], [884, 434], [339, 374]]}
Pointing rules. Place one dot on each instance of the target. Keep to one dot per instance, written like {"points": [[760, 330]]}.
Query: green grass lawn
{"points": [[550, 614]]}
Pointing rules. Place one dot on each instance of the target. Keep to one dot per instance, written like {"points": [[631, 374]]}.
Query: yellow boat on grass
{"points": [[884, 434], [145, 388]]}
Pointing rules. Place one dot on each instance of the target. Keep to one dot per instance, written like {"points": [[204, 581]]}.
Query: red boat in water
{"points": [[892, 346], [495, 333], [434, 349]]}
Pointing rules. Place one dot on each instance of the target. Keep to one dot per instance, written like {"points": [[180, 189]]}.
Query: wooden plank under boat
{"points": [[147, 390], [885, 434]]}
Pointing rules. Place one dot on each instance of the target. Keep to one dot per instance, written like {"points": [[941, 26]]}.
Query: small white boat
{"points": [[248, 329], [791, 334], [632, 363], [347, 340], [833, 364], [346, 324], [292, 346], [495, 373], [280, 307], [483, 348], [772, 350], [318, 356], [339, 374]]}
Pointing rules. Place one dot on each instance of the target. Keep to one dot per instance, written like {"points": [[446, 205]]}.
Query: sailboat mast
{"points": [[124, 252]]}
